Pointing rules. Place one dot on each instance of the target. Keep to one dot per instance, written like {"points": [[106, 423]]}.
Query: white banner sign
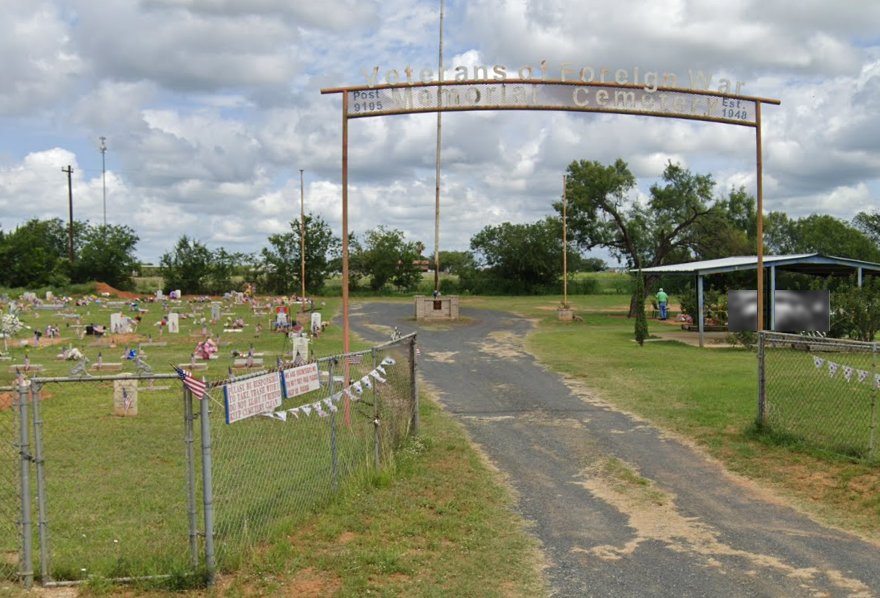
{"points": [[300, 380], [253, 396]]}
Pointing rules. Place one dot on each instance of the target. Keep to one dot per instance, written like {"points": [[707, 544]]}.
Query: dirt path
{"points": [[620, 508]]}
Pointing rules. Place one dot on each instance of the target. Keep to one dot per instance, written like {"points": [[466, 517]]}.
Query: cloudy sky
{"points": [[210, 108]]}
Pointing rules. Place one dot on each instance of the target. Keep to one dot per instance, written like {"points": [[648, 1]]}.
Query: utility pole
{"points": [[564, 244], [437, 163], [104, 174], [69, 172], [302, 239]]}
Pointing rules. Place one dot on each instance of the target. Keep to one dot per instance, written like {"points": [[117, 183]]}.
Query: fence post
{"points": [[27, 557], [42, 523], [377, 437], [762, 397], [872, 440], [207, 490], [334, 457], [188, 424], [414, 386]]}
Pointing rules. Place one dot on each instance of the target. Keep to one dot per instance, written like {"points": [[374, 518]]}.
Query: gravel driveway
{"points": [[694, 531]]}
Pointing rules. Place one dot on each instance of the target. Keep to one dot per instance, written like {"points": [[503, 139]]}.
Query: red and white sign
{"points": [[300, 380]]}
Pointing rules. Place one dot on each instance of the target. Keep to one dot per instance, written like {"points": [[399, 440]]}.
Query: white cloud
{"points": [[211, 107]]}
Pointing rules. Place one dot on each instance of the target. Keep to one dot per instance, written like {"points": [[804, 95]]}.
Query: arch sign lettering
{"points": [[586, 89]]}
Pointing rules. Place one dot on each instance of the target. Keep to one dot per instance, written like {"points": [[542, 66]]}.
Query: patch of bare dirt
{"points": [[103, 287], [311, 583], [653, 516]]}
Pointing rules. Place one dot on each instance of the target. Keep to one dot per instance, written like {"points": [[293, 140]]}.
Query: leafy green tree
{"points": [[35, 254], [869, 224], [520, 257], [187, 266], [223, 267], [602, 213], [452, 262], [107, 255], [730, 228], [856, 311], [818, 233], [281, 261], [386, 256]]}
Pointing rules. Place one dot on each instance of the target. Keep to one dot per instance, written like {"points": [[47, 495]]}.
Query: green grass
{"points": [[709, 396], [117, 502], [437, 523]]}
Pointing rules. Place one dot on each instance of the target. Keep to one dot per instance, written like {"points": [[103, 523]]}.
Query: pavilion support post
{"points": [[859, 272], [772, 297], [701, 316]]}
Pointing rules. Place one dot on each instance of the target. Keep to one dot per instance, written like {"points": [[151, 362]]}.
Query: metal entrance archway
{"points": [[539, 94]]}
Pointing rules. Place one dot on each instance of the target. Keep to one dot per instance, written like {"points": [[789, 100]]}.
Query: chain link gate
{"points": [[125, 481], [10, 486]]}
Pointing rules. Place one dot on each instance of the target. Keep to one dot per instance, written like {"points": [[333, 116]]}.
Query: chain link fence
{"points": [[117, 477], [821, 391], [10, 486], [271, 472]]}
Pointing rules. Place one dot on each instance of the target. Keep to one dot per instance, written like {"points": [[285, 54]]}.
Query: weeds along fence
{"points": [[131, 477], [820, 391]]}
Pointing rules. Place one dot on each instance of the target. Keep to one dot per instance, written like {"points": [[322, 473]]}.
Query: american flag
{"points": [[298, 360], [354, 359], [197, 387]]}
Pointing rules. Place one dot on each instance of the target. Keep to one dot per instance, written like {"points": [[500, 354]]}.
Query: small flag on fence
{"points": [[354, 359], [818, 361], [832, 368], [197, 387], [862, 376], [847, 372]]}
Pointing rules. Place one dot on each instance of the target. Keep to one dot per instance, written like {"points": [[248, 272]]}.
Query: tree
{"points": [[856, 311], [520, 257], [730, 228], [35, 254], [282, 266], [452, 262], [641, 323], [869, 224], [818, 233], [223, 266], [186, 267], [601, 213], [386, 256], [107, 255]]}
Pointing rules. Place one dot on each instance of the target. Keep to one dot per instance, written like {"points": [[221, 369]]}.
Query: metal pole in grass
{"points": [[413, 385], [27, 556], [872, 440], [188, 423], [207, 489], [376, 421], [334, 455], [42, 523], [762, 398]]}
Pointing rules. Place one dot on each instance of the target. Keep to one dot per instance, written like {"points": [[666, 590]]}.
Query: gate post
{"points": [[413, 386], [207, 487], [762, 396], [42, 523], [188, 419], [27, 557]]}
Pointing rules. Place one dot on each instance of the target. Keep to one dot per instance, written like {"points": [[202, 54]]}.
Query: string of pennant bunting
{"points": [[325, 407], [848, 372]]}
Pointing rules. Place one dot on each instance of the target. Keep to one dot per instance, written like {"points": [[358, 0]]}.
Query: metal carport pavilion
{"points": [[814, 264]]}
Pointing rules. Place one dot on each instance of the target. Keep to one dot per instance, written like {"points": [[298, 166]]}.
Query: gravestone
{"points": [[281, 319], [125, 398], [301, 346], [120, 323], [215, 311], [316, 321], [173, 323]]}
